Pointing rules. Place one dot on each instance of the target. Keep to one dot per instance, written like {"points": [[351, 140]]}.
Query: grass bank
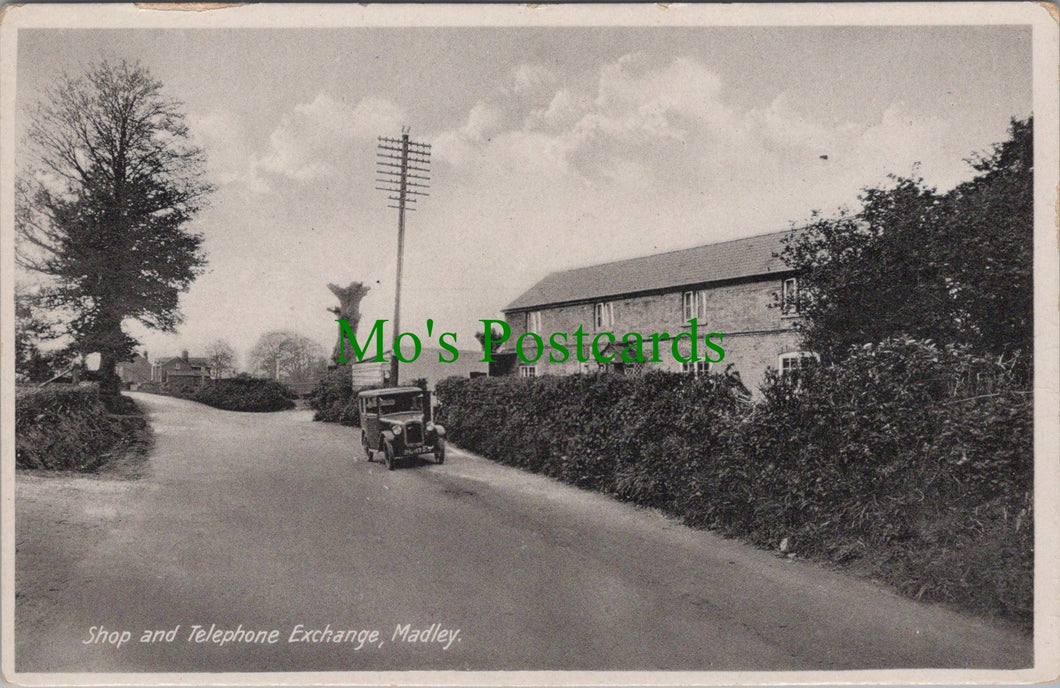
{"points": [[74, 429]]}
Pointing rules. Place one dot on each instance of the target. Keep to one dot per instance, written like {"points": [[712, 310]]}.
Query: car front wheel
{"points": [[388, 456]]}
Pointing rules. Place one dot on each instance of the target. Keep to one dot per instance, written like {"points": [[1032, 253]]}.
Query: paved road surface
{"points": [[270, 521]]}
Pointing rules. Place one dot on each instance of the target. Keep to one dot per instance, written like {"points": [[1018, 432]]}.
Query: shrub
{"points": [[915, 457], [637, 437], [72, 428], [333, 399], [243, 393], [911, 460]]}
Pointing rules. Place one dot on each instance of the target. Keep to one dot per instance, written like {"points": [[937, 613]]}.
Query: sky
{"points": [[552, 148]]}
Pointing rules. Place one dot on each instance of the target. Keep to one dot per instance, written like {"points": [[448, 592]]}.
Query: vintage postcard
{"points": [[529, 345]]}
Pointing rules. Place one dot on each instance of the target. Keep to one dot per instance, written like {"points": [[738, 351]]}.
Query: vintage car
{"points": [[396, 421]]}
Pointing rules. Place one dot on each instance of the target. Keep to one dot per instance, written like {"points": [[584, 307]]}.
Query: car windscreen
{"points": [[405, 402]]}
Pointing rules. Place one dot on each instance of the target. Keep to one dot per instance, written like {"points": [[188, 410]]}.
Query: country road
{"points": [[270, 522]]}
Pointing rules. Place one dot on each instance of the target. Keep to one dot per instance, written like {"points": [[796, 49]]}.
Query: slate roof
{"points": [[192, 360], [187, 373], [726, 260]]}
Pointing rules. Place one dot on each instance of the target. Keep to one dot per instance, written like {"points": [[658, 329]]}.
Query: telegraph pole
{"points": [[404, 173]]}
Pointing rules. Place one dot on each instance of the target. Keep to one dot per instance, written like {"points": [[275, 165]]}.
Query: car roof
{"points": [[387, 391]]}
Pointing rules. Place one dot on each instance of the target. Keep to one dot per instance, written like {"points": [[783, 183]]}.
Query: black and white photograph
{"points": [[529, 345]]}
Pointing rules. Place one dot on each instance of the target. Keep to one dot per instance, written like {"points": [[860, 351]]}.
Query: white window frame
{"points": [[533, 322], [696, 368], [789, 296], [603, 315], [795, 356], [694, 305], [527, 371]]}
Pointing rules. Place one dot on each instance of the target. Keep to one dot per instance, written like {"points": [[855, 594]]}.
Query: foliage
{"points": [[244, 393], [239, 393], [637, 437], [334, 399], [910, 460], [495, 334], [73, 428], [953, 268], [287, 356], [990, 246], [102, 208], [32, 364]]}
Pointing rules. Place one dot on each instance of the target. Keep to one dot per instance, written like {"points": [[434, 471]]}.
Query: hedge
{"points": [[244, 394], [910, 461], [334, 399], [72, 428], [241, 393]]}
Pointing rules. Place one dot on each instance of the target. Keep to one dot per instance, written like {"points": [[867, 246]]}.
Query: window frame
{"points": [[529, 371], [532, 322], [789, 299], [798, 356], [695, 368], [697, 305], [603, 315]]}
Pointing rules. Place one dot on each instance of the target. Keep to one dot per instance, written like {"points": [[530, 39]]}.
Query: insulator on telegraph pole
{"points": [[403, 169]]}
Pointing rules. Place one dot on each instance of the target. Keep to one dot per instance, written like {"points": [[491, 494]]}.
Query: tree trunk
{"points": [[109, 382]]}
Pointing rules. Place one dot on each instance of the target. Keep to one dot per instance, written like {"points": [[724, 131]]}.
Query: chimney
{"points": [[184, 355]]}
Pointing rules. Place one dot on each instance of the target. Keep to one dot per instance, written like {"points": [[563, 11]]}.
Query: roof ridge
{"points": [[676, 250]]}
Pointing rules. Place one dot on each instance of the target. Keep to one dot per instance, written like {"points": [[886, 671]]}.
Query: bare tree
{"points": [[222, 358], [287, 356], [108, 188]]}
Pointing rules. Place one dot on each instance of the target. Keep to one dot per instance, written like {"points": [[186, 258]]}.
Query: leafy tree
{"points": [[954, 267], [989, 248], [222, 358], [102, 208], [32, 328]]}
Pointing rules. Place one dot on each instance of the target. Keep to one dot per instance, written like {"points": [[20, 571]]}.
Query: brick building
{"points": [[182, 368], [134, 372], [737, 288]]}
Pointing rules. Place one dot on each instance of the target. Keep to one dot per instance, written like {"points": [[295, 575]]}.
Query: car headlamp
{"points": [[430, 427], [397, 429]]}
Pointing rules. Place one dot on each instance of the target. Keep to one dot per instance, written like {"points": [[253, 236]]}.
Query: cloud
{"points": [[530, 78], [318, 138], [655, 155], [221, 133]]}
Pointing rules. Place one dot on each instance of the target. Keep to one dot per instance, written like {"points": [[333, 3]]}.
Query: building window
{"points": [[694, 305], [696, 368], [604, 315], [527, 371], [533, 322], [789, 299], [791, 363]]}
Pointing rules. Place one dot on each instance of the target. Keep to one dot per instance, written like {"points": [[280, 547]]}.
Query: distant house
{"points": [[426, 366], [736, 288], [133, 372], [181, 367]]}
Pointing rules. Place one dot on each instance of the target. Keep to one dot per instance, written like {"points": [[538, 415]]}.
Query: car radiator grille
{"points": [[414, 433]]}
